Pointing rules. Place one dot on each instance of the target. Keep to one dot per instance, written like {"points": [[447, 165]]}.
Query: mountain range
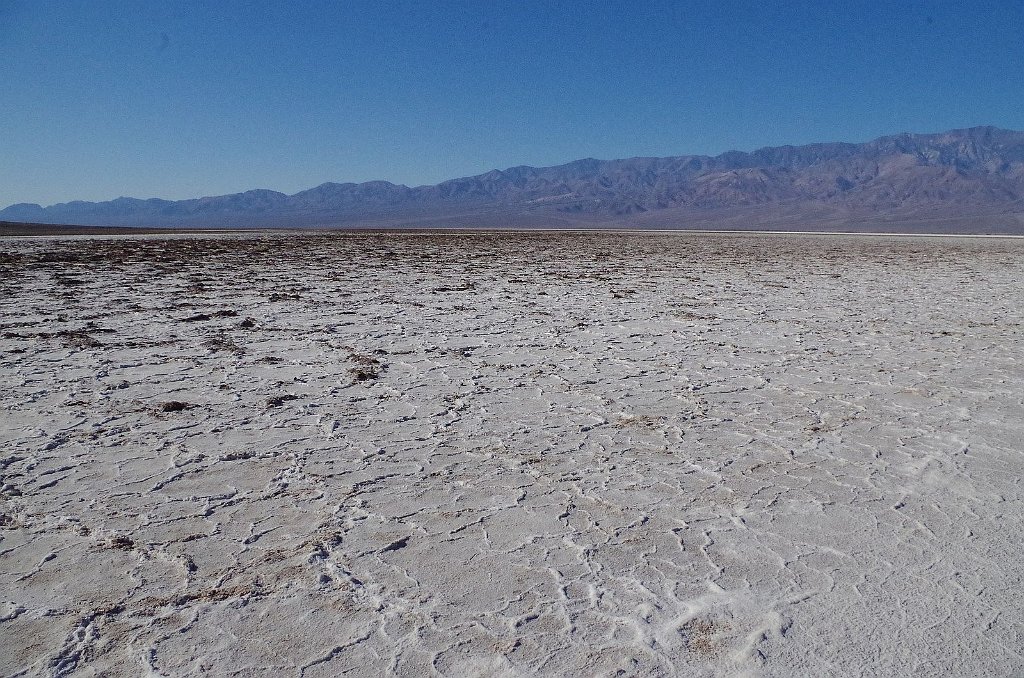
{"points": [[967, 180]]}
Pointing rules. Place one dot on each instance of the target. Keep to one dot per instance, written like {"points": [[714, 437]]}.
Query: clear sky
{"points": [[179, 99]]}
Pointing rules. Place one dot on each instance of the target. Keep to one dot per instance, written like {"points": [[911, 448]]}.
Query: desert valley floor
{"points": [[511, 454]]}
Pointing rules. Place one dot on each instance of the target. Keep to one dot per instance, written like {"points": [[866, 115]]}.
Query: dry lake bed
{"points": [[511, 454]]}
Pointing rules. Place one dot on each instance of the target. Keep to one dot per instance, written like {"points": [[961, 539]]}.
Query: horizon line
{"points": [[539, 167]]}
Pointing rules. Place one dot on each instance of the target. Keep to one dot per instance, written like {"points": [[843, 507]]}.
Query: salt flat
{"points": [[511, 454]]}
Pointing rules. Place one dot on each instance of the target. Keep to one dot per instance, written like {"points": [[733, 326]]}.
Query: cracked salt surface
{"points": [[511, 454]]}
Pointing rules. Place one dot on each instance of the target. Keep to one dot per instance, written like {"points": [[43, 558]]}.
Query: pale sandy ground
{"points": [[511, 455]]}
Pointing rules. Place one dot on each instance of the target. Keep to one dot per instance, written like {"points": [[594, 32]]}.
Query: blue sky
{"points": [[179, 99]]}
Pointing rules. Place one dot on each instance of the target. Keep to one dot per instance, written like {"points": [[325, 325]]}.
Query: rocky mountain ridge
{"points": [[970, 176]]}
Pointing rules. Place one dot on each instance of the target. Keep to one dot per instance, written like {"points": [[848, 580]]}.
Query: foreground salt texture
{"points": [[511, 454]]}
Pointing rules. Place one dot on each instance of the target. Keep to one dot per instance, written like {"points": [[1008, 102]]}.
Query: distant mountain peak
{"points": [[952, 176]]}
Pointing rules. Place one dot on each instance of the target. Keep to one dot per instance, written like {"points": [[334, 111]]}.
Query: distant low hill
{"points": [[968, 181]]}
